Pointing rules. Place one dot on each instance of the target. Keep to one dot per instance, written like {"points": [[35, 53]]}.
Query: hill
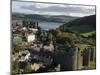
{"points": [[47, 18], [81, 25]]}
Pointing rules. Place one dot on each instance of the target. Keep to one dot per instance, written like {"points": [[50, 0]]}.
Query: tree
{"points": [[17, 47], [54, 32]]}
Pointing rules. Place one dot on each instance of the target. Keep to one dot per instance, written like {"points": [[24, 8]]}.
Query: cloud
{"points": [[55, 9]]}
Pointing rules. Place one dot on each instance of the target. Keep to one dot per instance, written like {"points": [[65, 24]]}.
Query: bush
{"points": [[17, 48]]}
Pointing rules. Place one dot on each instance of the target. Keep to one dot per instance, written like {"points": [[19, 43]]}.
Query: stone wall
{"points": [[70, 59], [89, 55]]}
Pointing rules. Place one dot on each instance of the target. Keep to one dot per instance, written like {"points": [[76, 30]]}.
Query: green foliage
{"points": [[17, 47], [54, 32], [28, 68], [92, 42], [82, 46], [14, 67], [93, 64], [64, 38], [89, 33], [68, 36]]}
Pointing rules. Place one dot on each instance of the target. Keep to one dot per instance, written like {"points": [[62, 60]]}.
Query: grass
{"points": [[82, 46], [93, 64], [88, 33]]}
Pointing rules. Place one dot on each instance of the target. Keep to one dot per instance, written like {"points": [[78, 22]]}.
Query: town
{"points": [[35, 50]]}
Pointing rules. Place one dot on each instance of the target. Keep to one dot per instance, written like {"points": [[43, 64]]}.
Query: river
{"points": [[49, 25]]}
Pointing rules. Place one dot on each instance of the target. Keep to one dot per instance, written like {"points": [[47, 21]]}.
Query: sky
{"points": [[52, 9]]}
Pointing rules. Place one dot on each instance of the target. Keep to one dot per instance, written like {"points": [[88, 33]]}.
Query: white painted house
{"points": [[30, 37]]}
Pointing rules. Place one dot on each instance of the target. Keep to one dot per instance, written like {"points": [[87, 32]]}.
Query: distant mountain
{"points": [[48, 18], [82, 25]]}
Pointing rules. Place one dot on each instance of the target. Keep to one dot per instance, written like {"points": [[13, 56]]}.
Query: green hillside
{"points": [[81, 25]]}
